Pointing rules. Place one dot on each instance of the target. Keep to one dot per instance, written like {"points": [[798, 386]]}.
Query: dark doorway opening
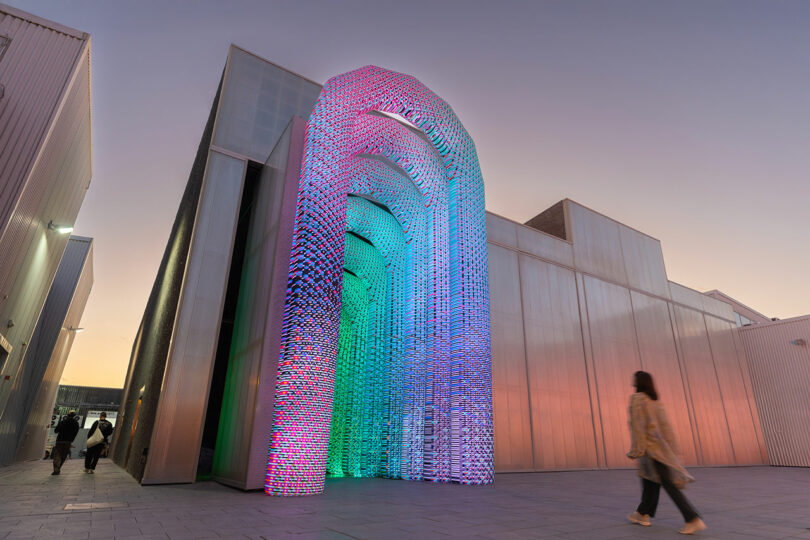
{"points": [[209, 438]]}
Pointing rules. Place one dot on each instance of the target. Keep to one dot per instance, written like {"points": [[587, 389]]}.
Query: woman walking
{"points": [[655, 449]]}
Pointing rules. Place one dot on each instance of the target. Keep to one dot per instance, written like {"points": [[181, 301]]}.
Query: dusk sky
{"points": [[689, 121]]}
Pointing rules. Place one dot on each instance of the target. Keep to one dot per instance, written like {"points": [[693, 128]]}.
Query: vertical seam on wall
{"points": [[719, 387], [525, 355], [697, 443], [749, 394], [595, 384], [635, 329]]}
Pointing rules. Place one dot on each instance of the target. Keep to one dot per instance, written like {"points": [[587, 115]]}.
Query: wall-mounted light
{"points": [[73, 329], [61, 229], [799, 342]]}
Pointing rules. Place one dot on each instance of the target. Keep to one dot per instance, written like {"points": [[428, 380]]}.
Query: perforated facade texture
{"points": [[385, 365]]}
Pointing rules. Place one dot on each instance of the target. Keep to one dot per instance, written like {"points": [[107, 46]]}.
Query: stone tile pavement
{"points": [[737, 503]]}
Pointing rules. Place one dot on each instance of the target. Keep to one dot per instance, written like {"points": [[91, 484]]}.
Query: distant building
{"points": [[238, 349], [45, 171], [88, 402]]}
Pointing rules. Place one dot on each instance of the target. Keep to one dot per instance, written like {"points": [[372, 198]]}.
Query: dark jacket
{"points": [[66, 429], [105, 427]]}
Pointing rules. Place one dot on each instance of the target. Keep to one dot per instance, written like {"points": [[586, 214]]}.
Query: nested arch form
{"points": [[412, 327]]}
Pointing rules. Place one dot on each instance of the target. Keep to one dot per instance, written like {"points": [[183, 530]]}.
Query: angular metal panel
{"points": [[545, 246], [246, 420], [644, 262], [749, 390], [258, 100], [597, 244], [37, 66], [510, 394], [501, 230], [686, 296], [710, 417], [659, 357], [51, 188], [615, 359], [175, 442], [717, 307], [562, 422], [62, 312], [732, 387]]}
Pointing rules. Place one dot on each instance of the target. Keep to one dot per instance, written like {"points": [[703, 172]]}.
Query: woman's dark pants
{"points": [[650, 491], [91, 457]]}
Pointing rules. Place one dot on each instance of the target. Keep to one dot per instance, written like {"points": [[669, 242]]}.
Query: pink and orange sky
{"points": [[686, 120]]}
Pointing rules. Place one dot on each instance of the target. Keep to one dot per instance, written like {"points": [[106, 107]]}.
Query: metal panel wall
{"points": [[735, 398], [749, 391], [258, 100], [35, 70], [659, 356], [615, 359], [709, 412], [175, 445], [780, 370], [545, 246], [69, 293], [510, 392], [597, 244], [53, 189], [501, 230], [42, 347], [644, 262], [245, 423], [562, 420]]}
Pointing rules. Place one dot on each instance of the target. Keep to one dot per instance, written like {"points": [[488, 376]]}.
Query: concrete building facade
{"points": [[45, 170]]}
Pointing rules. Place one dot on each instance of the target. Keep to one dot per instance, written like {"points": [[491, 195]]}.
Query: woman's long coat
{"points": [[653, 438]]}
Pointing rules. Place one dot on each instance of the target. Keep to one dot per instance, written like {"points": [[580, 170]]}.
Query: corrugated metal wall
{"points": [[51, 345], [572, 323], [45, 162], [778, 356]]}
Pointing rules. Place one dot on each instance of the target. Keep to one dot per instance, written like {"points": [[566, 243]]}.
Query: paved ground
{"points": [[742, 503]]}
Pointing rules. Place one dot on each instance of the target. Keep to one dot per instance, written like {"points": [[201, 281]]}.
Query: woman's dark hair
{"points": [[644, 383]]}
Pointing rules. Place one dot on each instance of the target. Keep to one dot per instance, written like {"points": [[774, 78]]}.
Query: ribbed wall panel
{"points": [[51, 345], [54, 190], [780, 376], [35, 71], [45, 163]]}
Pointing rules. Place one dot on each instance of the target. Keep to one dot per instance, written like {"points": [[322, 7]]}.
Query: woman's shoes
{"points": [[641, 519], [693, 526]]}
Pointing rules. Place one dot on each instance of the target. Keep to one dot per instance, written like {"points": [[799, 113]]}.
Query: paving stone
{"points": [[741, 503]]}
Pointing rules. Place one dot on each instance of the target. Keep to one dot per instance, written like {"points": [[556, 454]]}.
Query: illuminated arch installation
{"points": [[385, 367]]}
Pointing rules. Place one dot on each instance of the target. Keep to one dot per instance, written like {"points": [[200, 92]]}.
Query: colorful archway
{"points": [[385, 365]]}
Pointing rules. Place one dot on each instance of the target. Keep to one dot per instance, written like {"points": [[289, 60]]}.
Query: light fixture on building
{"points": [[799, 342], [61, 229], [73, 329]]}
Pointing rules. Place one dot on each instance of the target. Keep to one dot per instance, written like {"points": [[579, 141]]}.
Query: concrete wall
{"points": [[45, 168], [571, 322], [779, 358]]}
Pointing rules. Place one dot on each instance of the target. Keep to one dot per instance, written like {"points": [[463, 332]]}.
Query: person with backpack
{"points": [[96, 442], [66, 430]]}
